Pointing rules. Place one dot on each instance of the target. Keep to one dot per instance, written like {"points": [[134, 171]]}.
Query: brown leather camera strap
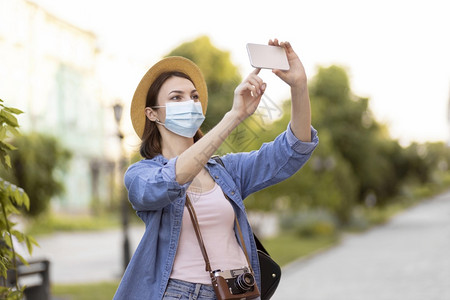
{"points": [[197, 232], [194, 220], [241, 237]]}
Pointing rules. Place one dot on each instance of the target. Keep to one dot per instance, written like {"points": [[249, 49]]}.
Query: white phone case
{"points": [[267, 57]]}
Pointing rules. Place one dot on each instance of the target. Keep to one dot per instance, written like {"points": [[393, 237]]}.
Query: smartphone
{"points": [[267, 57]]}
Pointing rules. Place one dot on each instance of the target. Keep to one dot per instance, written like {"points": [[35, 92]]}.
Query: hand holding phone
{"points": [[267, 57]]}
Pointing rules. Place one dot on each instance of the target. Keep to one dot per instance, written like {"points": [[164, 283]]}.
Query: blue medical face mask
{"points": [[183, 118]]}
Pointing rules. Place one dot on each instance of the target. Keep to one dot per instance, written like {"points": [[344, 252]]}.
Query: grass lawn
{"points": [[94, 291], [51, 223], [288, 247]]}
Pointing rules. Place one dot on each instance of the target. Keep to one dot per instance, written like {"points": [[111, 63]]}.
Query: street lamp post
{"points": [[118, 108]]}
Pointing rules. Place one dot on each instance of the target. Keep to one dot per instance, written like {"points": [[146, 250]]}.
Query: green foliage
{"points": [[331, 84], [427, 162], [310, 223], [36, 164], [355, 135], [379, 164], [356, 162], [221, 76], [8, 124], [12, 197]]}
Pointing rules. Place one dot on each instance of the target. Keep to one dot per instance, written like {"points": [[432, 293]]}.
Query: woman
{"points": [[167, 111]]}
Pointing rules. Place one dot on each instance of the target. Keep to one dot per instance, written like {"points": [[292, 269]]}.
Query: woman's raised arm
{"points": [[295, 77], [246, 99]]}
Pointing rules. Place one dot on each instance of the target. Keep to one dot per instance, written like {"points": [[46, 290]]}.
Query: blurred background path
{"points": [[85, 257], [408, 259]]}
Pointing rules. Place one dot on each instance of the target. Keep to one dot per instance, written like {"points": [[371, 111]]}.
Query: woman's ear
{"points": [[151, 114]]}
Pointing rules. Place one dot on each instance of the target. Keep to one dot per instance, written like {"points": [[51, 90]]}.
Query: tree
{"points": [[11, 197], [355, 160], [325, 182], [222, 77], [362, 141], [36, 165], [424, 161]]}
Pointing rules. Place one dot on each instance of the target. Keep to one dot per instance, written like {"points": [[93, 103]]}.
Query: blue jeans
{"points": [[183, 290]]}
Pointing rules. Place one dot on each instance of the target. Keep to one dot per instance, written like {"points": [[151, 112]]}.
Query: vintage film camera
{"points": [[235, 284]]}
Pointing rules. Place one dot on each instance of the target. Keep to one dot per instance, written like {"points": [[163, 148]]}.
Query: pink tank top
{"points": [[216, 220]]}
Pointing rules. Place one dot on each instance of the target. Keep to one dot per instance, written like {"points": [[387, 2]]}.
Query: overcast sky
{"points": [[397, 52]]}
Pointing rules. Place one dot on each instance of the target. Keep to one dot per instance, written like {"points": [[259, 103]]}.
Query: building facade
{"points": [[49, 70]]}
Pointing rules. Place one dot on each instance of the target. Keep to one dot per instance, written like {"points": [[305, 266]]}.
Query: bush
{"points": [[34, 166], [11, 198], [310, 223]]}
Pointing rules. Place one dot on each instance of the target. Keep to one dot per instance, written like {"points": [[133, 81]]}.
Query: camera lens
{"points": [[245, 281]]}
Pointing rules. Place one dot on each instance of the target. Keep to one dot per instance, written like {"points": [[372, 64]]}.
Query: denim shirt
{"points": [[159, 201]]}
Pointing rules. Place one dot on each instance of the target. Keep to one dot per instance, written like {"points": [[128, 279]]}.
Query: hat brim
{"points": [[169, 64]]}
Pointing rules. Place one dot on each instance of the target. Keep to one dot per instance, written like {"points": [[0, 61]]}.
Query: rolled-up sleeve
{"points": [[152, 185], [300, 146], [272, 163]]}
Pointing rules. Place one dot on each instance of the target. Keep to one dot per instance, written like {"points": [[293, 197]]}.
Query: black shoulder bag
{"points": [[270, 270]]}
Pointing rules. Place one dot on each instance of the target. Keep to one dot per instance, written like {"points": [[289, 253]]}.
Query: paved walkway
{"points": [[77, 257], [407, 259]]}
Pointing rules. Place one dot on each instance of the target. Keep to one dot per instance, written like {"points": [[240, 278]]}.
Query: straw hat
{"points": [[172, 63]]}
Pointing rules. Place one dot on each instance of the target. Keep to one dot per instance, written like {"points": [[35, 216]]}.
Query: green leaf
{"points": [[2, 132], [7, 159], [19, 235], [9, 118], [7, 146], [20, 197], [23, 260], [30, 241], [15, 295], [12, 129], [3, 269], [16, 194], [13, 110], [11, 209], [17, 197], [8, 241], [26, 201], [4, 290], [3, 160]]}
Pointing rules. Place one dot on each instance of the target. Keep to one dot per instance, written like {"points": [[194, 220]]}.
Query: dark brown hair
{"points": [[151, 138]]}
